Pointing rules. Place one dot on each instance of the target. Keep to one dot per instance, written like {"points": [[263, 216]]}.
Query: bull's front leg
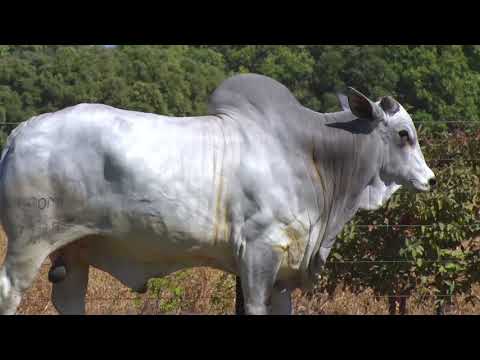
{"points": [[261, 245], [281, 303], [258, 273]]}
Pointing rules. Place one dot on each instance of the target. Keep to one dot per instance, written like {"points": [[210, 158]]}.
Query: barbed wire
{"points": [[431, 261], [437, 143], [453, 159], [413, 226], [95, 298], [446, 122], [419, 122], [440, 142]]}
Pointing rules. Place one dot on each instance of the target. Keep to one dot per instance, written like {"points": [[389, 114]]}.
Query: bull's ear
{"points": [[343, 100], [363, 107], [389, 105]]}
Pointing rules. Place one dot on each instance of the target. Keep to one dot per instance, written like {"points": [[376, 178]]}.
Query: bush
{"points": [[425, 243]]}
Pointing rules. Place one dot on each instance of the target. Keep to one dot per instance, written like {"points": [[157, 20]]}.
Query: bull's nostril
{"points": [[432, 182]]}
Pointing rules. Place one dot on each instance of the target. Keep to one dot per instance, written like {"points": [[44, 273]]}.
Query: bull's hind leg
{"points": [[69, 275], [25, 255], [68, 296], [17, 274]]}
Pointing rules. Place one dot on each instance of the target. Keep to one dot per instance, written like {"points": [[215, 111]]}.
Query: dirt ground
{"points": [[206, 291]]}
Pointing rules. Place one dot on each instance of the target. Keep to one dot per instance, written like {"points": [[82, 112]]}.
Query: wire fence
{"points": [[440, 142]]}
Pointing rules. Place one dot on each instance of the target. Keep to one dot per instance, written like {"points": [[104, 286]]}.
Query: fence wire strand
{"points": [[421, 297]]}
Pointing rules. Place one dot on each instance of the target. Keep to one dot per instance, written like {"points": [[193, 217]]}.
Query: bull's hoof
{"points": [[57, 274]]}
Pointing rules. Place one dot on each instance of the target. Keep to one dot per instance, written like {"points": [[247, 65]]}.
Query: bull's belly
{"points": [[164, 230], [166, 251], [135, 258]]}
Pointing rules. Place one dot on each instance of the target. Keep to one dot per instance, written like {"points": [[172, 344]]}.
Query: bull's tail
{"points": [[9, 297], [7, 149]]}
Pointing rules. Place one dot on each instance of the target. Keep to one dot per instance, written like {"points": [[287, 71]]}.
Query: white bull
{"points": [[260, 188]]}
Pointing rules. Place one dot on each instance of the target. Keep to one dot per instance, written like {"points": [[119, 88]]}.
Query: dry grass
{"points": [[206, 291]]}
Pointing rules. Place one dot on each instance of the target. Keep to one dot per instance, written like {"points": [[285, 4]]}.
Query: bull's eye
{"points": [[404, 136]]}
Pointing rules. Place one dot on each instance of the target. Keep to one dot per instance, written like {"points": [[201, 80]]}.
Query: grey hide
{"points": [[259, 188]]}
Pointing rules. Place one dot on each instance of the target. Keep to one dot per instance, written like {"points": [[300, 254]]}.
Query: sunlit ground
{"points": [[206, 291]]}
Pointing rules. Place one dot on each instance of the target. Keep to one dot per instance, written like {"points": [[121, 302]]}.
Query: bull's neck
{"points": [[352, 148], [347, 156]]}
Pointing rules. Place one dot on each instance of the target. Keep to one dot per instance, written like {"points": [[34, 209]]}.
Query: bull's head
{"points": [[403, 161]]}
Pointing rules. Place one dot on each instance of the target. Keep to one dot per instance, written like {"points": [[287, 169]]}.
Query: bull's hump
{"points": [[249, 93]]}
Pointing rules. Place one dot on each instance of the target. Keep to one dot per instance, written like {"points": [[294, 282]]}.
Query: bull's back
{"points": [[127, 173]]}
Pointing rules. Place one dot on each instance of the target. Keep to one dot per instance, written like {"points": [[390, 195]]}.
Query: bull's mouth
{"points": [[419, 186]]}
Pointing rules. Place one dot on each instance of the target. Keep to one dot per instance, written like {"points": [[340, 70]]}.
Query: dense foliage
{"points": [[421, 244], [435, 82], [436, 243]]}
